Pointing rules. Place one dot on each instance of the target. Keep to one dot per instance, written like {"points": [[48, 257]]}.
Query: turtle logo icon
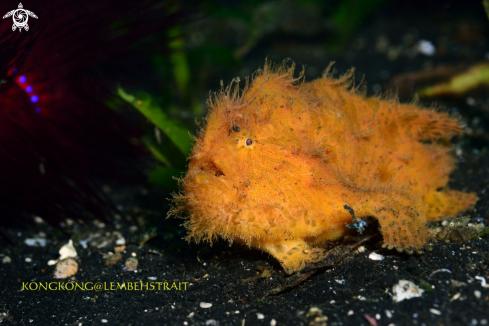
{"points": [[20, 17]]}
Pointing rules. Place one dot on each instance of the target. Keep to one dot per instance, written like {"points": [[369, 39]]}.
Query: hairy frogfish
{"points": [[285, 165]]}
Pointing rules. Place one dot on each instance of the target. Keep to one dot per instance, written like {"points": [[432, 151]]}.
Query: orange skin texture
{"points": [[315, 147]]}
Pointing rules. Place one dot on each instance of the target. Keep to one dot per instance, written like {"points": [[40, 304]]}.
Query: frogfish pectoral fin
{"points": [[402, 228], [447, 203], [294, 255]]}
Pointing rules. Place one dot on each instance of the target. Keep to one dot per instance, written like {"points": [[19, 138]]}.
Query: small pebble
{"points": [[66, 268], [6, 260], [349, 313], [425, 47], [260, 316], [236, 312], [371, 320], [361, 249], [38, 219], [314, 311], [104, 321], [273, 322], [28, 260], [133, 254], [377, 316], [190, 315], [477, 294], [112, 259], [131, 264], [388, 314], [435, 312], [205, 305], [455, 297], [211, 322]]}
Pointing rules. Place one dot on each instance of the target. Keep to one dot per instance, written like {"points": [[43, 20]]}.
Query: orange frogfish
{"points": [[285, 165]]}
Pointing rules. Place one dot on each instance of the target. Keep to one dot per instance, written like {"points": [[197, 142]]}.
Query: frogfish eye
{"points": [[236, 128], [249, 142]]}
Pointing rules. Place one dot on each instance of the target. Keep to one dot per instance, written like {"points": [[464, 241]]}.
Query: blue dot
{"points": [[38, 110], [15, 70], [22, 79], [34, 98], [28, 89]]}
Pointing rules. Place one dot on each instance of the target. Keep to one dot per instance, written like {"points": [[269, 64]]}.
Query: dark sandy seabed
{"points": [[230, 277]]}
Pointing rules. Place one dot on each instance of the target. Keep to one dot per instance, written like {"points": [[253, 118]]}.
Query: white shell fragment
{"points": [[483, 281], [205, 305], [121, 241], [375, 256], [66, 268], [84, 242], [35, 241], [435, 312], [425, 47], [67, 251], [406, 290]]}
